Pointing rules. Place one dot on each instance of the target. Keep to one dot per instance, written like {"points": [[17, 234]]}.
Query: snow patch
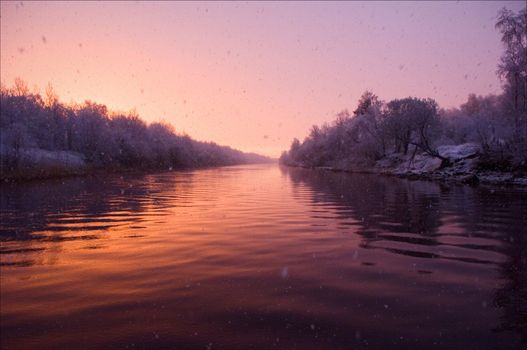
{"points": [[457, 152]]}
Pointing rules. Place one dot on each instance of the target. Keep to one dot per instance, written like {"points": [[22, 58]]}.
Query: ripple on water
{"points": [[260, 257]]}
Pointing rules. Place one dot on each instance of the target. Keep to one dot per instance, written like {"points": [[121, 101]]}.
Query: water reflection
{"points": [[439, 221], [511, 297], [78, 209], [261, 257]]}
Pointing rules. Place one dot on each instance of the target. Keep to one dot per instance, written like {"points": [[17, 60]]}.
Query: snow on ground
{"points": [[457, 152], [36, 163], [50, 159]]}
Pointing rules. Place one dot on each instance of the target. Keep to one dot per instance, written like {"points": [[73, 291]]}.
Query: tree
{"points": [[295, 145], [513, 62], [413, 121], [513, 69], [370, 111], [20, 88], [51, 99], [366, 101], [45, 127]]}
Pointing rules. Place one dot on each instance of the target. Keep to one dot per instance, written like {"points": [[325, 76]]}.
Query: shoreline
{"points": [[444, 175], [93, 172], [463, 163], [472, 179]]}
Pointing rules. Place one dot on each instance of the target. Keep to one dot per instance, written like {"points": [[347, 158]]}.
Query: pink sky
{"points": [[251, 75]]}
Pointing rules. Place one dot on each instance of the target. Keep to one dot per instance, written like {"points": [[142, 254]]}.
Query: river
{"points": [[261, 257]]}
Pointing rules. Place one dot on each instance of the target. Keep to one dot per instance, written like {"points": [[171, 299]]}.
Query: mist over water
{"points": [[261, 256]]}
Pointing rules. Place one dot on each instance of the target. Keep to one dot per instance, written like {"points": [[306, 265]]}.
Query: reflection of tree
{"points": [[486, 221], [389, 209], [500, 215], [512, 296], [378, 203], [56, 211]]}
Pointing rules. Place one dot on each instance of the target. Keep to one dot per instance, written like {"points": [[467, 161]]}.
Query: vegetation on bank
{"points": [[42, 137], [385, 135]]}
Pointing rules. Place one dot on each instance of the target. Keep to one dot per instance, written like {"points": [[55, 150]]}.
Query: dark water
{"points": [[262, 257]]}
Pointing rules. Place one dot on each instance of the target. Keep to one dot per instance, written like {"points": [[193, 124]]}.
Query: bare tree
{"points": [[513, 62], [20, 88]]}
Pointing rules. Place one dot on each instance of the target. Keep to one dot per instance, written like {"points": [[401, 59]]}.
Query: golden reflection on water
{"points": [[257, 256]]}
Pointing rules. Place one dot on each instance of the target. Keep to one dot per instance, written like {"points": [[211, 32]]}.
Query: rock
{"points": [[455, 153]]}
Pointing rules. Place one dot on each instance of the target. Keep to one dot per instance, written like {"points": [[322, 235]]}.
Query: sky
{"points": [[251, 75]]}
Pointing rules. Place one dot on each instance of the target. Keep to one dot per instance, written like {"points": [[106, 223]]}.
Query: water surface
{"points": [[261, 257]]}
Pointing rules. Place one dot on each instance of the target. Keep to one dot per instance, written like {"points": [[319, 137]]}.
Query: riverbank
{"points": [[34, 163], [458, 164], [37, 164]]}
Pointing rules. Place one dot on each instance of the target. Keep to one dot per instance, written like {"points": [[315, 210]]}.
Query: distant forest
{"points": [[377, 129], [42, 137]]}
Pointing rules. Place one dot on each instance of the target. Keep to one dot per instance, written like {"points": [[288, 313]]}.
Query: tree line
{"points": [[30, 122], [376, 129]]}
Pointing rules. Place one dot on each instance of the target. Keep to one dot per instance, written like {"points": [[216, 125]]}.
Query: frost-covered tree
{"points": [[512, 69], [513, 62], [36, 126], [371, 112], [412, 121], [377, 129]]}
